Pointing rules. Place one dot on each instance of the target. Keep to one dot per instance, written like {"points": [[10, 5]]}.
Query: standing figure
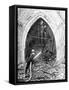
{"points": [[29, 63]]}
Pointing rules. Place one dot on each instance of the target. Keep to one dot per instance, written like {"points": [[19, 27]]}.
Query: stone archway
{"points": [[28, 25], [40, 38], [56, 24]]}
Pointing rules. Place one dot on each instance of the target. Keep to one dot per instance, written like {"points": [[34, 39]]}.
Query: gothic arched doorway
{"points": [[40, 38]]}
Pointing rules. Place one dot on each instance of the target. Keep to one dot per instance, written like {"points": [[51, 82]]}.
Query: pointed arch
{"points": [[28, 25]]}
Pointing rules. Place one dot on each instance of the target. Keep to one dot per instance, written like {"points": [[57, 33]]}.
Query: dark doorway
{"points": [[40, 38]]}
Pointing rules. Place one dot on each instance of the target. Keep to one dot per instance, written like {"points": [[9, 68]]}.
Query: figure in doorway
{"points": [[29, 64]]}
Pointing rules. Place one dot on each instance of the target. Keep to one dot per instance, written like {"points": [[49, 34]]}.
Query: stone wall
{"points": [[56, 21]]}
